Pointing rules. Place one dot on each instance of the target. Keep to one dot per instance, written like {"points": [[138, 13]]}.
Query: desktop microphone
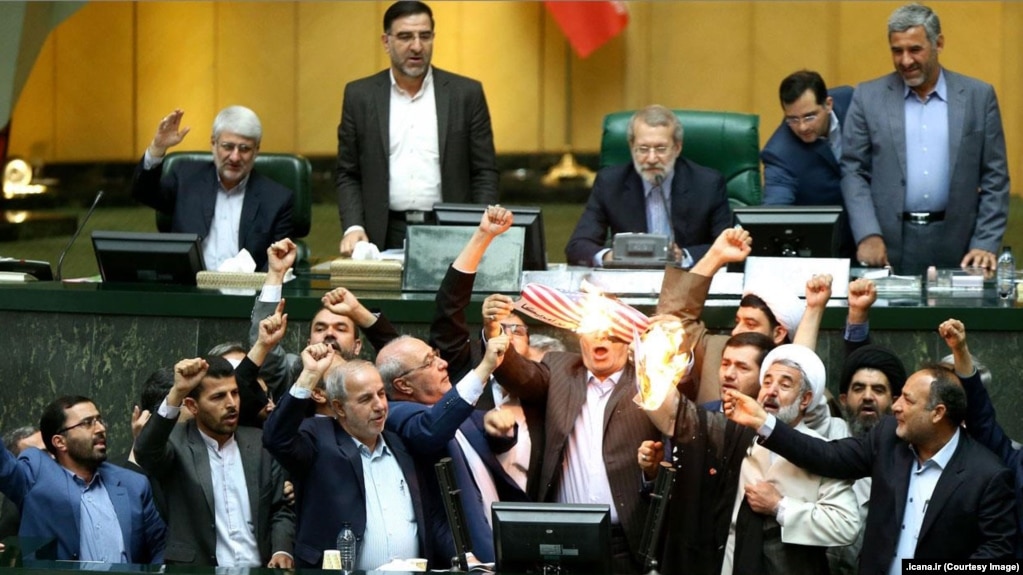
{"points": [[60, 262]]}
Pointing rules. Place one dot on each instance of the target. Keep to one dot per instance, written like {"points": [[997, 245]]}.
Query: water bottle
{"points": [[348, 547], [1006, 274]]}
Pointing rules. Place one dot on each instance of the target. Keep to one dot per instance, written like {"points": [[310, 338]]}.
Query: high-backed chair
{"points": [[726, 141], [289, 170]]}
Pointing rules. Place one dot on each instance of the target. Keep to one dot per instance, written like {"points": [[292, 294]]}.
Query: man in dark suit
{"points": [[660, 192], [590, 424], [981, 422], [350, 469], [924, 173], [224, 493], [801, 157], [54, 490], [409, 137], [935, 492], [225, 202]]}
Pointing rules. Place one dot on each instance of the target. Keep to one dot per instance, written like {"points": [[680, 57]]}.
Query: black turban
{"points": [[874, 357]]}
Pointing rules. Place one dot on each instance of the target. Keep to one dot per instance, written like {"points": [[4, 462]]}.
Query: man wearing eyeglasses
{"points": [[660, 192], [94, 510], [409, 137], [230, 206], [801, 158]]}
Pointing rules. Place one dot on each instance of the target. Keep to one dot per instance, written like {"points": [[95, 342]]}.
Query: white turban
{"points": [[785, 305], [805, 358]]}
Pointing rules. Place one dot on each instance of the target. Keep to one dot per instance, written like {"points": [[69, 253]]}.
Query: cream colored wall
{"points": [[107, 75]]}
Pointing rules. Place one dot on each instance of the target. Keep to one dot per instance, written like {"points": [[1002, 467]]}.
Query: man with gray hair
{"points": [[660, 192], [925, 180], [224, 201], [736, 508]]}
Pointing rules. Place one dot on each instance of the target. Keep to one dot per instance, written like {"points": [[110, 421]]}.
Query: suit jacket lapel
{"points": [[250, 208], [948, 482], [823, 149], [624, 391], [956, 119], [122, 509], [382, 103], [352, 456], [679, 197], [895, 105], [634, 203], [210, 187], [201, 463], [251, 460], [442, 97]]}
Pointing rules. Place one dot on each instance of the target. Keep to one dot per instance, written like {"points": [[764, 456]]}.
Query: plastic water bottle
{"points": [[1006, 274], [348, 547]]}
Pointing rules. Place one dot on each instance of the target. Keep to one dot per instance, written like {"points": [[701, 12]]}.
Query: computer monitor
{"points": [[137, 257], [534, 256], [792, 231], [563, 538]]}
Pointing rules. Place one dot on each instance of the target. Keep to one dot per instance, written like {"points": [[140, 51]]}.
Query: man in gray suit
{"points": [[924, 174], [410, 136], [224, 492]]}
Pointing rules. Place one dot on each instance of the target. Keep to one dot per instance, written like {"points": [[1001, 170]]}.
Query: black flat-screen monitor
{"points": [[563, 538], [792, 231], [136, 257], [534, 256]]}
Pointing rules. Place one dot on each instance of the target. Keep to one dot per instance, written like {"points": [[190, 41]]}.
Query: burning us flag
{"points": [[663, 357], [587, 311]]}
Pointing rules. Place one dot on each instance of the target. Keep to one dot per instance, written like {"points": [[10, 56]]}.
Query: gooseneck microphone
{"points": [[81, 226]]}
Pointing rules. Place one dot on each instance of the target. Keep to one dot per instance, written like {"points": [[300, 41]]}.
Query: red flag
{"points": [[589, 25]]}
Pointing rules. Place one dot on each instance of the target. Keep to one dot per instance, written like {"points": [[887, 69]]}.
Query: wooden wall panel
{"points": [[94, 85]]}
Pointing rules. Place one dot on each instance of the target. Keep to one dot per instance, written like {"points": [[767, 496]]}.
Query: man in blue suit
{"points": [[801, 159], [349, 469], [94, 510]]}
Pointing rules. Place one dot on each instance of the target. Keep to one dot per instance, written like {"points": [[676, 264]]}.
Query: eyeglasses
{"points": [[409, 37], [797, 121], [644, 151], [515, 329], [89, 422], [431, 359], [230, 147]]}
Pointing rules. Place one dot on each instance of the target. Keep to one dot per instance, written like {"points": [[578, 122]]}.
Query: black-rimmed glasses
{"points": [[89, 422]]}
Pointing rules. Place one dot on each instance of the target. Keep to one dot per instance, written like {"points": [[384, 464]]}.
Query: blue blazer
{"points": [[188, 194], [801, 174], [326, 468], [429, 431], [699, 210], [51, 502]]}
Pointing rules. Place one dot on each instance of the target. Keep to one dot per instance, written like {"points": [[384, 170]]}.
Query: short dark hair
{"points": [[55, 416], [756, 302], [755, 339], [14, 436], [948, 391], [155, 388], [218, 368], [403, 8], [797, 83]]}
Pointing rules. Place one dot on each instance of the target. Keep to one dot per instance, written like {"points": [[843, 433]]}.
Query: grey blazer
{"points": [[874, 165], [175, 456], [466, 141]]}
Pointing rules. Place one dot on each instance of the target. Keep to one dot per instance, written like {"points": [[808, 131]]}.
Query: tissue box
{"points": [[366, 274], [211, 279]]}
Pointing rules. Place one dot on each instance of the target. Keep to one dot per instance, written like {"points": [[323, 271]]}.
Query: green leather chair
{"points": [[726, 141], [289, 170]]}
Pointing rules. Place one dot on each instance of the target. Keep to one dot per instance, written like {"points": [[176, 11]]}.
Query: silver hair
{"points": [[238, 120], [390, 365], [545, 343], [910, 15], [655, 116], [337, 376]]}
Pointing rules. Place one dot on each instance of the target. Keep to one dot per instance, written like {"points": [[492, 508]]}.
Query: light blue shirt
{"points": [[835, 136], [101, 538], [927, 149], [658, 206], [391, 528]]}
